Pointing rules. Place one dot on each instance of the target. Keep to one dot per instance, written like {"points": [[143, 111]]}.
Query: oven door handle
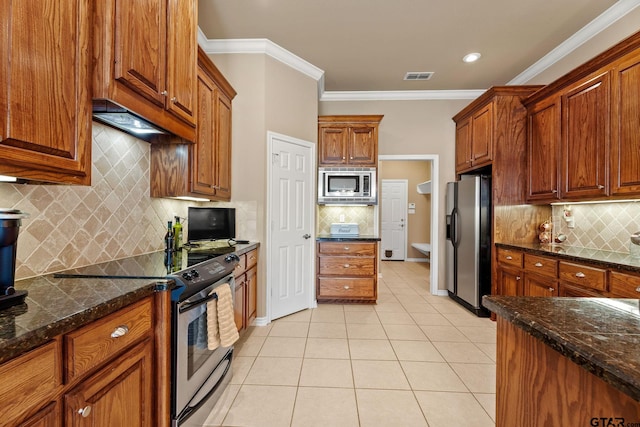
{"points": [[191, 305]]}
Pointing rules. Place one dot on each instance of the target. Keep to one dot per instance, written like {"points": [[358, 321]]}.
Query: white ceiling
{"points": [[370, 45]]}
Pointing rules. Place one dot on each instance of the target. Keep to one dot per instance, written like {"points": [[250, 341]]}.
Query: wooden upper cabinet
{"points": [[145, 54], [348, 141], [45, 101], [585, 138], [463, 145], [625, 138], [202, 169], [482, 136], [543, 150]]}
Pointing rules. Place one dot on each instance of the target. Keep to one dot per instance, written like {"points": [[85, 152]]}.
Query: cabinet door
{"points": [[363, 146], [537, 286], [509, 282], [139, 47], [202, 153], [332, 146], [482, 136], [121, 394], [239, 303], [45, 101], [223, 147], [585, 134], [569, 290], [544, 151], [625, 138], [252, 292], [182, 53], [49, 416], [463, 145]]}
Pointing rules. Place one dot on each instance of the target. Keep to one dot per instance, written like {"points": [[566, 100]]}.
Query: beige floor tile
{"points": [[389, 408], [240, 368], [393, 318], [326, 373], [418, 351], [444, 333], [359, 307], [452, 307], [488, 402], [324, 407], [327, 316], [432, 376], [262, 406], [371, 350], [300, 316], [488, 349], [329, 307], [222, 406], [327, 348], [290, 329], [430, 319], [418, 307], [379, 374], [467, 319], [274, 371], [479, 334], [258, 331], [478, 377], [283, 347], [445, 409], [327, 330], [405, 332], [367, 332], [366, 317], [249, 346], [390, 307], [460, 352]]}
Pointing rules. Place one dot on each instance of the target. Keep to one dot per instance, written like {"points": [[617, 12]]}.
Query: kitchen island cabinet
{"points": [[145, 60], [46, 59], [566, 361], [348, 141]]}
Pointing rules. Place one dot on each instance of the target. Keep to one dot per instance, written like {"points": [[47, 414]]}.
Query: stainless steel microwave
{"points": [[347, 186]]}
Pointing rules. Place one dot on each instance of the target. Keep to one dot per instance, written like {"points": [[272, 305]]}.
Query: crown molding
{"points": [[401, 95], [604, 20]]}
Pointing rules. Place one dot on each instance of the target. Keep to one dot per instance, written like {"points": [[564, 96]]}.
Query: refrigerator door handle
{"points": [[455, 230]]}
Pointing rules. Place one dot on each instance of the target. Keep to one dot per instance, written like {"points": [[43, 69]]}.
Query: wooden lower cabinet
{"points": [[540, 286], [347, 271], [121, 394], [239, 303], [245, 301], [49, 416], [510, 282], [567, 289]]}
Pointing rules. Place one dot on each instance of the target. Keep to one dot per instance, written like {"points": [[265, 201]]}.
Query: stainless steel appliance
{"points": [[468, 248], [199, 375], [347, 185], [10, 221]]}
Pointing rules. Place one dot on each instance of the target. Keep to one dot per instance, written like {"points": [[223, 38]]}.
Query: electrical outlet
{"points": [[341, 217]]}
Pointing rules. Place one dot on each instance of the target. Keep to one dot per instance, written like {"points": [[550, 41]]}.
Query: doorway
{"points": [[434, 211], [290, 231], [393, 195]]}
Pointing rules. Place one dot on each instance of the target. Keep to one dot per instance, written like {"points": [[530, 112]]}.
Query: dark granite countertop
{"points": [[606, 259], [56, 305], [335, 238], [600, 334]]}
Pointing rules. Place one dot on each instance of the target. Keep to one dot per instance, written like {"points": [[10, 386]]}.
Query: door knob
{"points": [[307, 236]]}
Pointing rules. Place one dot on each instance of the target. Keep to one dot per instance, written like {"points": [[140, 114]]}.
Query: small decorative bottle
{"points": [[168, 248], [177, 235]]}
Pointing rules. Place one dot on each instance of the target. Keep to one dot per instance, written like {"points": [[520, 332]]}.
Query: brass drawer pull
{"points": [[120, 331], [538, 264], [346, 248], [346, 287], [347, 266], [85, 411], [580, 275], [509, 257]]}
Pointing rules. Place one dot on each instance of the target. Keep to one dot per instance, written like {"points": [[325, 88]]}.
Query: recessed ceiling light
{"points": [[471, 57]]}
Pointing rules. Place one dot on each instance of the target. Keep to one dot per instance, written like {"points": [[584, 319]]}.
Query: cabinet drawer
{"points": [[29, 381], [541, 265], [101, 340], [346, 266], [569, 290], [347, 248], [624, 285], [252, 258], [242, 266], [510, 257], [346, 288], [589, 277]]}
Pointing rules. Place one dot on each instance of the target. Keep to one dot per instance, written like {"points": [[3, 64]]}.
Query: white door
{"points": [[291, 202], [394, 219]]}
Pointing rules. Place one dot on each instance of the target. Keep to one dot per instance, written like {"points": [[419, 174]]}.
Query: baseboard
{"points": [[418, 260], [260, 321], [442, 293]]}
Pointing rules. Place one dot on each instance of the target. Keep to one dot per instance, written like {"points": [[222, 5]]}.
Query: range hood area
{"points": [[111, 114]]}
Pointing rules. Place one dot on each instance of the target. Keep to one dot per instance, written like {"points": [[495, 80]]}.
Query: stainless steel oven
{"points": [[199, 375]]}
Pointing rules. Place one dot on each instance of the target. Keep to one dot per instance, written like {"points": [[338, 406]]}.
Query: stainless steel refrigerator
{"points": [[468, 254]]}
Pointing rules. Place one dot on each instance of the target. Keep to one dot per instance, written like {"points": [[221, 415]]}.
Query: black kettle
{"points": [[10, 222]]}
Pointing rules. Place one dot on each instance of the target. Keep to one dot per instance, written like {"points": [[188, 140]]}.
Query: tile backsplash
{"points": [[603, 226], [74, 226], [362, 215]]}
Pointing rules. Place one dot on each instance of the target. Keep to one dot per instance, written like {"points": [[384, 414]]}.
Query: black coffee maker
{"points": [[10, 221]]}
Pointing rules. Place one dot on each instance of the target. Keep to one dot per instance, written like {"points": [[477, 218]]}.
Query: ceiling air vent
{"points": [[423, 75]]}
